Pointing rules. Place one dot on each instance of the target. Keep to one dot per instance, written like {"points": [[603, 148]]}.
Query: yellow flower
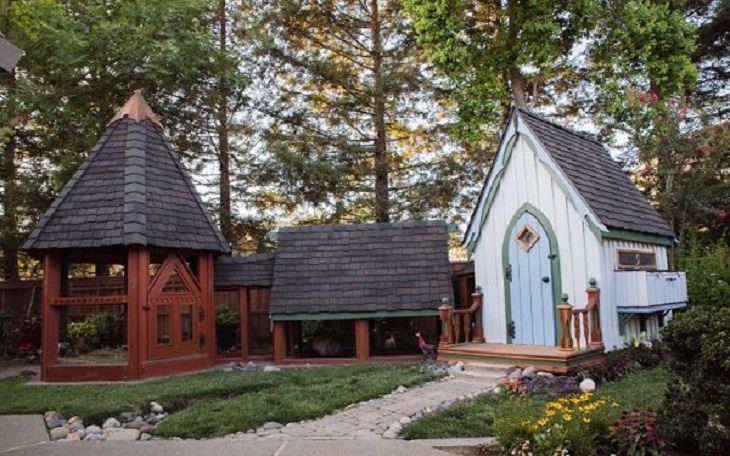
{"points": [[567, 417], [586, 420]]}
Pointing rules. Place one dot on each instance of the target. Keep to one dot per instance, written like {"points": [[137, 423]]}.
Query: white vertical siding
{"points": [[611, 294], [527, 179]]}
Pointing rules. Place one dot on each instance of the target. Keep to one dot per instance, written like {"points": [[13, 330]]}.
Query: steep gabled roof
{"points": [[380, 267], [132, 189], [595, 176], [598, 178]]}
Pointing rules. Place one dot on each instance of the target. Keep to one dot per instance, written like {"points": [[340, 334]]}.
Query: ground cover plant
{"points": [[217, 403], [502, 415]]}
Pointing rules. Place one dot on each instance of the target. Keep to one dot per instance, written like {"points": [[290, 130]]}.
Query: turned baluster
{"points": [[576, 328], [594, 303], [565, 311], [446, 314], [467, 326], [478, 298]]}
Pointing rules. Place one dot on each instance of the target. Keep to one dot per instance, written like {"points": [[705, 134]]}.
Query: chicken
{"points": [[427, 349]]}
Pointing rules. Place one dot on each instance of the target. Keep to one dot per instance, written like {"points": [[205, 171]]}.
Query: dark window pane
{"points": [[163, 325], [186, 322]]}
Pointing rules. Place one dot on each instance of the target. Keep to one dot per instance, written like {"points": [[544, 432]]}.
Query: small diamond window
{"points": [[527, 237]]}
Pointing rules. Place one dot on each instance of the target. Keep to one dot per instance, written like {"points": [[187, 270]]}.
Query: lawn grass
{"points": [[643, 389], [217, 403]]}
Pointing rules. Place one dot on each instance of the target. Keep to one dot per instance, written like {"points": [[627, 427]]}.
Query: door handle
{"points": [[545, 279]]}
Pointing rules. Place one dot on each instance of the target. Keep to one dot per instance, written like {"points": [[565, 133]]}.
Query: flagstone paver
{"points": [[374, 418]]}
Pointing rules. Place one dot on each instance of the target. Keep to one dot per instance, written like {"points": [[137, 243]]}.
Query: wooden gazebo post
{"points": [[49, 333]]}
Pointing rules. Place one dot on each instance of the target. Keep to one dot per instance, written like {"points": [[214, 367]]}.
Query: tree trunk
{"points": [[224, 154], [517, 84], [516, 80], [382, 196], [9, 198]]}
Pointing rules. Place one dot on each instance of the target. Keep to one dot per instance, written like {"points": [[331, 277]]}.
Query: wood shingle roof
{"points": [[598, 178], [132, 189], [381, 267]]}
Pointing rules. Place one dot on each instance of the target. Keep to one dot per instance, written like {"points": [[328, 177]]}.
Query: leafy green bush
{"points": [[620, 363], [708, 273], [696, 410], [83, 335]]}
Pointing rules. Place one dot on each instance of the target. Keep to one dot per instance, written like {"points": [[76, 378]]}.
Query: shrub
{"points": [[696, 410], [708, 273], [574, 425], [21, 337], [83, 335], [620, 363], [635, 433]]}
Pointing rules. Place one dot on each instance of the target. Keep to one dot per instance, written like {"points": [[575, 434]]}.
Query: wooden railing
{"points": [[581, 325], [455, 322]]}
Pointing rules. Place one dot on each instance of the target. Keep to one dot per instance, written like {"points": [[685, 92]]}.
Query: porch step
{"points": [[484, 372]]}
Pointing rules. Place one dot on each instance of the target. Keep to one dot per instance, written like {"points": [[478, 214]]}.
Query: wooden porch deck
{"points": [[549, 359]]}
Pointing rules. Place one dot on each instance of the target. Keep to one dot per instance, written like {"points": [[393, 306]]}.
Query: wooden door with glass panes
{"points": [[175, 301]]}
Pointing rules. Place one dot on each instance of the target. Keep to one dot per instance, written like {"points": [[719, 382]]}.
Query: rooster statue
{"points": [[427, 349]]}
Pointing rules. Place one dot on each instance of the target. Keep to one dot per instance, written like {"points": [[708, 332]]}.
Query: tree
{"points": [[84, 58], [684, 171], [357, 130], [497, 53]]}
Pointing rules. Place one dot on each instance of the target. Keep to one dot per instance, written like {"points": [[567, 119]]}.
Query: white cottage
{"points": [[556, 215]]}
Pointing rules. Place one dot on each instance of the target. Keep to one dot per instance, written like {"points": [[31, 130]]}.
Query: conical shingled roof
{"points": [[132, 189]]}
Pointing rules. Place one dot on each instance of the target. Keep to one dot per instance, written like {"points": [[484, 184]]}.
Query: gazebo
{"points": [[128, 252]]}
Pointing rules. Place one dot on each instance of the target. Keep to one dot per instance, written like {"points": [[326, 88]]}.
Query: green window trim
{"points": [[554, 265]]}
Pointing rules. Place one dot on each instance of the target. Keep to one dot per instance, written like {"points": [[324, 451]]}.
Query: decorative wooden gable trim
{"points": [[173, 264], [518, 129]]}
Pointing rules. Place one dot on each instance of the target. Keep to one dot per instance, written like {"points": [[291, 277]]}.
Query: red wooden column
{"points": [[243, 306], [279, 341], [362, 340], [51, 289], [205, 272], [137, 310]]}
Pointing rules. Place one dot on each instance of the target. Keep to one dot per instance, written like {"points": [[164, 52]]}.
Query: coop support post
{"points": [[279, 341], [362, 340]]}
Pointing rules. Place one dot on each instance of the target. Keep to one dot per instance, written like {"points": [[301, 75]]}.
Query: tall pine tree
{"points": [[357, 130]]}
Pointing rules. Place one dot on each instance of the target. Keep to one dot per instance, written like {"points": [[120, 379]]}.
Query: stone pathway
{"points": [[379, 418]]}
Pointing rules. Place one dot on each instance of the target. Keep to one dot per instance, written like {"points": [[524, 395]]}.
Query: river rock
{"points": [[272, 369], [145, 436], [55, 423], [137, 423], [75, 426], [111, 423], [400, 389], [456, 368], [587, 385], [529, 371], [271, 425], [92, 437], [126, 417], [515, 374], [156, 408], [59, 433], [156, 418], [93, 429], [51, 415], [74, 419], [118, 434], [74, 437]]}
